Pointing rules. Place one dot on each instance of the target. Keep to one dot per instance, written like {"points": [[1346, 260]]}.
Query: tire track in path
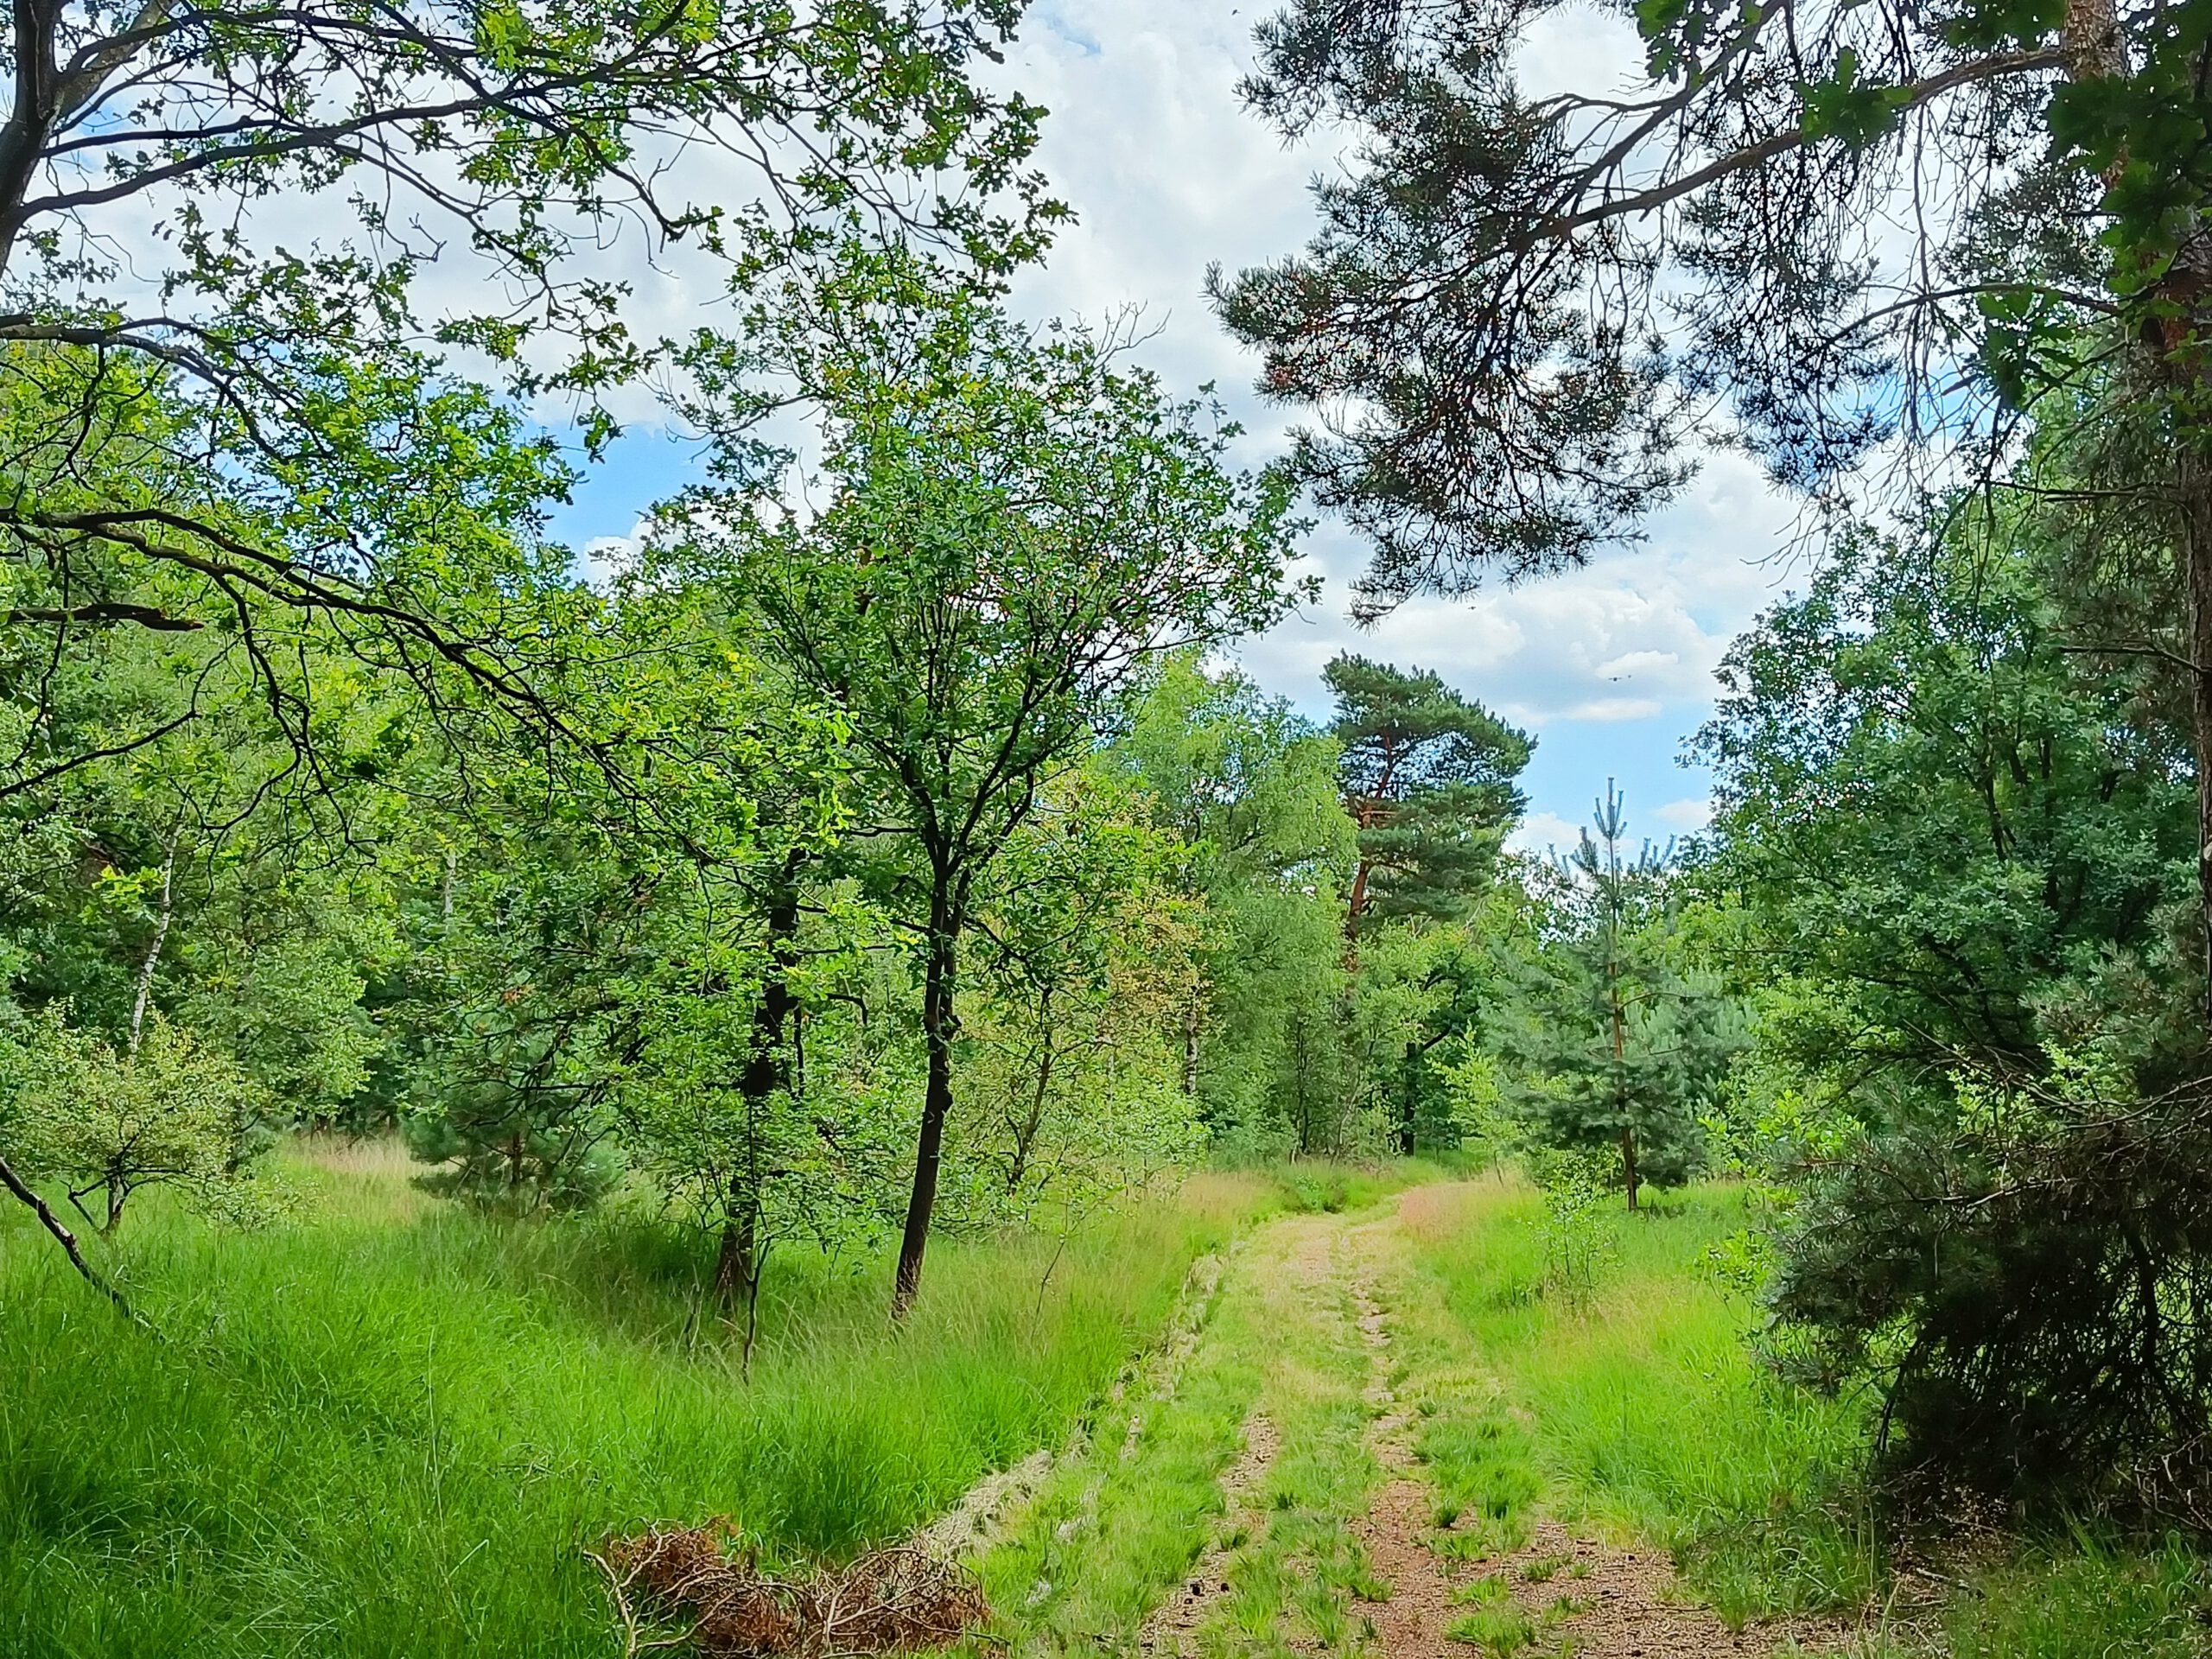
{"points": [[1454, 1589], [1269, 1496]]}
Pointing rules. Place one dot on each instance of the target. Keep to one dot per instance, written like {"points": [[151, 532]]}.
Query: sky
{"points": [[1610, 668]]}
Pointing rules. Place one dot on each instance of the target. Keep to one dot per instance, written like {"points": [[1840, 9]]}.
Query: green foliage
{"points": [[1014, 525], [1475, 1095], [164, 1112], [1427, 777], [1250, 790], [1972, 1099], [291, 1008], [2000, 835], [375, 1382], [1073, 1042], [1616, 1035], [287, 431], [2019, 1270], [1537, 326], [1576, 1182]]}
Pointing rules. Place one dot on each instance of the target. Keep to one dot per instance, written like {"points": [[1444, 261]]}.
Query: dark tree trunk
{"points": [[1409, 1075], [768, 1069], [25, 1195], [1191, 1051], [939, 1028], [736, 1261], [768, 1065], [2196, 558], [768, 1072], [737, 1276], [1620, 1064]]}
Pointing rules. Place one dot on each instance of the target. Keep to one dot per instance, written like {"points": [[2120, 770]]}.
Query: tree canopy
{"points": [[1428, 777]]}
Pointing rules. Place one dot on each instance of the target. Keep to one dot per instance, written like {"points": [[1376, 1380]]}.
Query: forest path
{"points": [[1362, 1486]]}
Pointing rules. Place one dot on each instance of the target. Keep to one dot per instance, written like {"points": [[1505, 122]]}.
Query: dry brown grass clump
{"points": [[691, 1586]]}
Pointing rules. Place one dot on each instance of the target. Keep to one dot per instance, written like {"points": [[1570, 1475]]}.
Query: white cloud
{"points": [[1688, 817], [606, 558], [1545, 832], [1168, 174], [1612, 711]]}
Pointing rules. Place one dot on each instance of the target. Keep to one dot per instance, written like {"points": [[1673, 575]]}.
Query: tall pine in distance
{"points": [[1428, 779]]}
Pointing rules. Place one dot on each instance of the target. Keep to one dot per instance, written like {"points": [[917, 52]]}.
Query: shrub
{"points": [[2029, 1273], [168, 1112]]}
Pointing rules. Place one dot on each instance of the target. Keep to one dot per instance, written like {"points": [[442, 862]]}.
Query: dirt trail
{"points": [[1426, 1572], [1272, 1451], [1173, 1624], [1580, 1596]]}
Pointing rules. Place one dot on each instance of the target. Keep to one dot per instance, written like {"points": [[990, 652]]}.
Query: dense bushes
{"points": [[2032, 1273], [1965, 851]]}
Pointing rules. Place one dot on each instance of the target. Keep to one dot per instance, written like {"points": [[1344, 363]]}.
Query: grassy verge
{"points": [[1323, 1186], [385, 1427], [1634, 1404]]}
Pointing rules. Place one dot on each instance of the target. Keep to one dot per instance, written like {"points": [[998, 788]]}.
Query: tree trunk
{"points": [[1408, 1077], [737, 1276], [152, 960], [1620, 1067], [1191, 1050], [767, 1073], [25, 1195], [1355, 909], [2196, 557], [939, 1026], [735, 1262]]}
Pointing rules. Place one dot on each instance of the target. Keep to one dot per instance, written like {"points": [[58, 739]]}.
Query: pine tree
{"points": [[1613, 1040], [1427, 777]]}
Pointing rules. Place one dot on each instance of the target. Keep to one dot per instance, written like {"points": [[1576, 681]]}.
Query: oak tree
{"points": [[1010, 522]]}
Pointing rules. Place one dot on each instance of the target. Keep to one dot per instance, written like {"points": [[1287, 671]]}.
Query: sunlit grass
{"points": [[1637, 1404], [1639, 1407], [385, 1427]]}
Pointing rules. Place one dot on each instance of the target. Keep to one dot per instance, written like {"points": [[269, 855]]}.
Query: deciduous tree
{"points": [[1011, 522]]}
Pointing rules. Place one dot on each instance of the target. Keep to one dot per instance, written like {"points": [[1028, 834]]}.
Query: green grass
{"points": [[1637, 1404], [1500, 1629], [1327, 1186], [2079, 1599], [1637, 1408], [386, 1428], [1118, 1528]]}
